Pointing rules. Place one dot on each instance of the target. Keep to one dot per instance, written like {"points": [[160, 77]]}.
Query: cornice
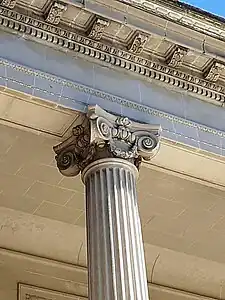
{"points": [[66, 39], [185, 15]]}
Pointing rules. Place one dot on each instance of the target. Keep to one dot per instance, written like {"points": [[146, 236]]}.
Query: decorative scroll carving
{"points": [[214, 72], [103, 135], [55, 13], [8, 3], [138, 43], [176, 59], [97, 29]]}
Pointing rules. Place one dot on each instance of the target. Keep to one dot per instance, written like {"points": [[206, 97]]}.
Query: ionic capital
{"points": [[103, 135]]}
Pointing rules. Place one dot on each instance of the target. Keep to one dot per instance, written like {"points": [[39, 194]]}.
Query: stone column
{"points": [[108, 150]]}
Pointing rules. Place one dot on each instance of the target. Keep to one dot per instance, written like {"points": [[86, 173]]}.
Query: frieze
{"points": [[121, 58], [109, 97], [135, 106], [214, 72], [97, 29], [55, 13]]}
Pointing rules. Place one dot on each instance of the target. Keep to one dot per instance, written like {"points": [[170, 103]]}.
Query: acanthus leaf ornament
{"points": [[97, 29], [55, 13], [214, 72], [176, 59], [103, 135], [75, 151], [137, 46]]}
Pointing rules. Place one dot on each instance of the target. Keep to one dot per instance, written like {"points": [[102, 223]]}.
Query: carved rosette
{"points": [[138, 43], [98, 29], [55, 13], [177, 57], [214, 72], [103, 135]]}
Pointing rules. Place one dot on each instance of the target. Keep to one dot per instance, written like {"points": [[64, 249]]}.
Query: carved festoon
{"points": [[214, 72], [97, 29], [55, 13], [103, 135], [176, 59], [138, 43], [8, 3]]}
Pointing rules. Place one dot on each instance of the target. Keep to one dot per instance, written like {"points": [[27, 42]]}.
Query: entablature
{"points": [[135, 38]]}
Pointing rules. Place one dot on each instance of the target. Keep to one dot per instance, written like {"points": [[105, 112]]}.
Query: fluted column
{"points": [[107, 150], [115, 247]]}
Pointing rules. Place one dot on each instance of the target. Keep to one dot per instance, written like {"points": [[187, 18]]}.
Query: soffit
{"points": [[39, 280], [39, 205], [36, 114], [177, 212], [49, 119], [163, 38]]}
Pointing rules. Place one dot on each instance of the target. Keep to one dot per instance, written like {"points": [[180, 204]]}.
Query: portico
{"points": [[108, 82]]}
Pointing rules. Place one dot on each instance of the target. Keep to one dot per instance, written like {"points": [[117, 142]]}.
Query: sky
{"points": [[214, 6]]}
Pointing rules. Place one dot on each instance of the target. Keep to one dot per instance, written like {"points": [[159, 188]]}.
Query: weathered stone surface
{"points": [[214, 72], [177, 57], [97, 29], [137, 46], [8, 3], [55, 13]]}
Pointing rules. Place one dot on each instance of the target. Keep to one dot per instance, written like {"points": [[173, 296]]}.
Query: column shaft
{"points": [[116, 261]]}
